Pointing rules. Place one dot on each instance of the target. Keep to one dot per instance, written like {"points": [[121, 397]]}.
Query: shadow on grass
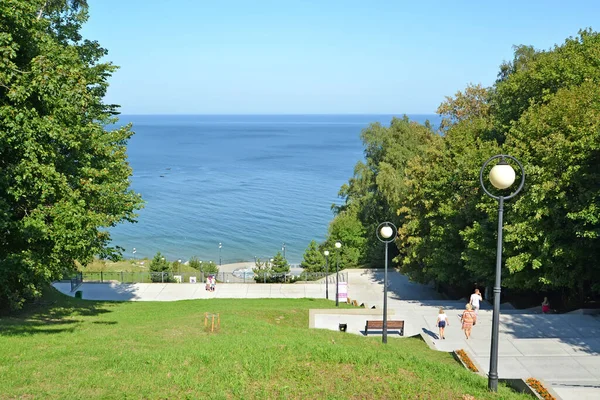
{"points": [[52, 313]]}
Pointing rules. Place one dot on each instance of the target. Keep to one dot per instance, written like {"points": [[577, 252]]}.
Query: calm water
{"points": [[249, 182]]}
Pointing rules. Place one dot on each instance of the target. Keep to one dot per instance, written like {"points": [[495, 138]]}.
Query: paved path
{"points": [[186, 291], [561, 349]]}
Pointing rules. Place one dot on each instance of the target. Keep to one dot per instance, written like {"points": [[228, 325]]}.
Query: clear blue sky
{"points": [[316, 56]]}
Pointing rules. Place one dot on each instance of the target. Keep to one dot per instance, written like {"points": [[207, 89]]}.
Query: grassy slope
{"points": [[68, 348], [127, 266]]}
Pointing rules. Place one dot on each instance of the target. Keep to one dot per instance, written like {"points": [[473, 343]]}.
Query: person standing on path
{"points": [[442, 322], [545, 306], [475, 300], [468, 319]]}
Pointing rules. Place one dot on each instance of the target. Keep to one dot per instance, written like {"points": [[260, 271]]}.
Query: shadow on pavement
{"points": [[430, 333], [579, 332], [401, 288]]}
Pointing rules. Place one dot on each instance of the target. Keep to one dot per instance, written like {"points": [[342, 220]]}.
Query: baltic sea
{"points": [[250, 182]]}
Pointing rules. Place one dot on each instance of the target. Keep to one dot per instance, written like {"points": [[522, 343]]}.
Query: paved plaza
{"points": [[561, 349]]}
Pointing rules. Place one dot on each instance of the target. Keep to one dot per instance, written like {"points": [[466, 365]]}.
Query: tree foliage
{"points": [[262, 270], [280, 265], [376, 190], [159, 268], [64, 179], [313, 260], [543, 109]]}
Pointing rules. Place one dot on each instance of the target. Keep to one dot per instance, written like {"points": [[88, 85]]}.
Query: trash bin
{"points": [[79, 294]]}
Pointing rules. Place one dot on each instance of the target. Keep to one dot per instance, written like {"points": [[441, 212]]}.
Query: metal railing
{"points": [[76, 281], [200, 277]]}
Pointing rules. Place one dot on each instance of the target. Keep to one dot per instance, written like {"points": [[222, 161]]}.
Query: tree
{"points": [[545, 110], [534, 76], [313, 260], [64, 179], [377, 189], [195, 263], [552, 241], [159, 268], [280, 265], [262, 271], [176, 266], [209, 268], [472, 103], [441, 204]]}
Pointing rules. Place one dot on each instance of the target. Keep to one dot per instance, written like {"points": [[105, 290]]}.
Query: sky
{"points": [[316, 56]]}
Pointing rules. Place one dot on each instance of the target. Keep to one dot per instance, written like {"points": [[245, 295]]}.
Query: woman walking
{"points": [[442, 322], [468, 319]]}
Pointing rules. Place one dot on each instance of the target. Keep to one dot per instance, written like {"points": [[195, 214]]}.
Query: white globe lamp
{"points": [[502, 175]]}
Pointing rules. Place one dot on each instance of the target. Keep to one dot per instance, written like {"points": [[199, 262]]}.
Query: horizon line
{"points": [[271, 114]]}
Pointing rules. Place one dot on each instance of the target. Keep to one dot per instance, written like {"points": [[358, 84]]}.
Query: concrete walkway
{"points": [[187, 291], [561, 349]]}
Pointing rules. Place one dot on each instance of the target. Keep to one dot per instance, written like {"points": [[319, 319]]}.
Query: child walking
{"points": [[442, 322]]}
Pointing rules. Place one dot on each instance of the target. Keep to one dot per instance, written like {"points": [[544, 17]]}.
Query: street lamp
{"points": [[386, 232], [326, 252], [283, 250], [134, 251], [502, 176], [338, 245], [220, 245]]}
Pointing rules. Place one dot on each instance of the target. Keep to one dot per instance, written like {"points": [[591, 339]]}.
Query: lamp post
{"points": [[134, 251], [283, 250], [386, 233], [326, 252], [338, 245], [502, 176], [220, 245]]}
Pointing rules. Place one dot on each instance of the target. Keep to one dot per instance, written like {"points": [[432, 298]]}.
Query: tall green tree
{"points": [[262, 270], [377, 188], [555, 235], [534, 76], [544, 109], [64, 178], [313, 260], [160, 268], [441, 204], [280, 265], [347, 228]]}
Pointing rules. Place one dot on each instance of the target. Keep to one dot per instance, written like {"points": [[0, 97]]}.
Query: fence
{"points": [[199, 277]]}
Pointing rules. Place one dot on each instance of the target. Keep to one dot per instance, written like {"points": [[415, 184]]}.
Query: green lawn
{"points": [[127, 266], [75, 349]]}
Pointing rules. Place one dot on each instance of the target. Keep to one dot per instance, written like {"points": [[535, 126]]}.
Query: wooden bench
{"points": [[391, 326]]}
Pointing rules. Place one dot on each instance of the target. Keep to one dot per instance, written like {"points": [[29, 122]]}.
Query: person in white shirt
{"points": [[475, 299], [442, 322]]}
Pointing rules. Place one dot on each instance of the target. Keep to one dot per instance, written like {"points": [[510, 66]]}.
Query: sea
{"points": [[231, 188]]}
